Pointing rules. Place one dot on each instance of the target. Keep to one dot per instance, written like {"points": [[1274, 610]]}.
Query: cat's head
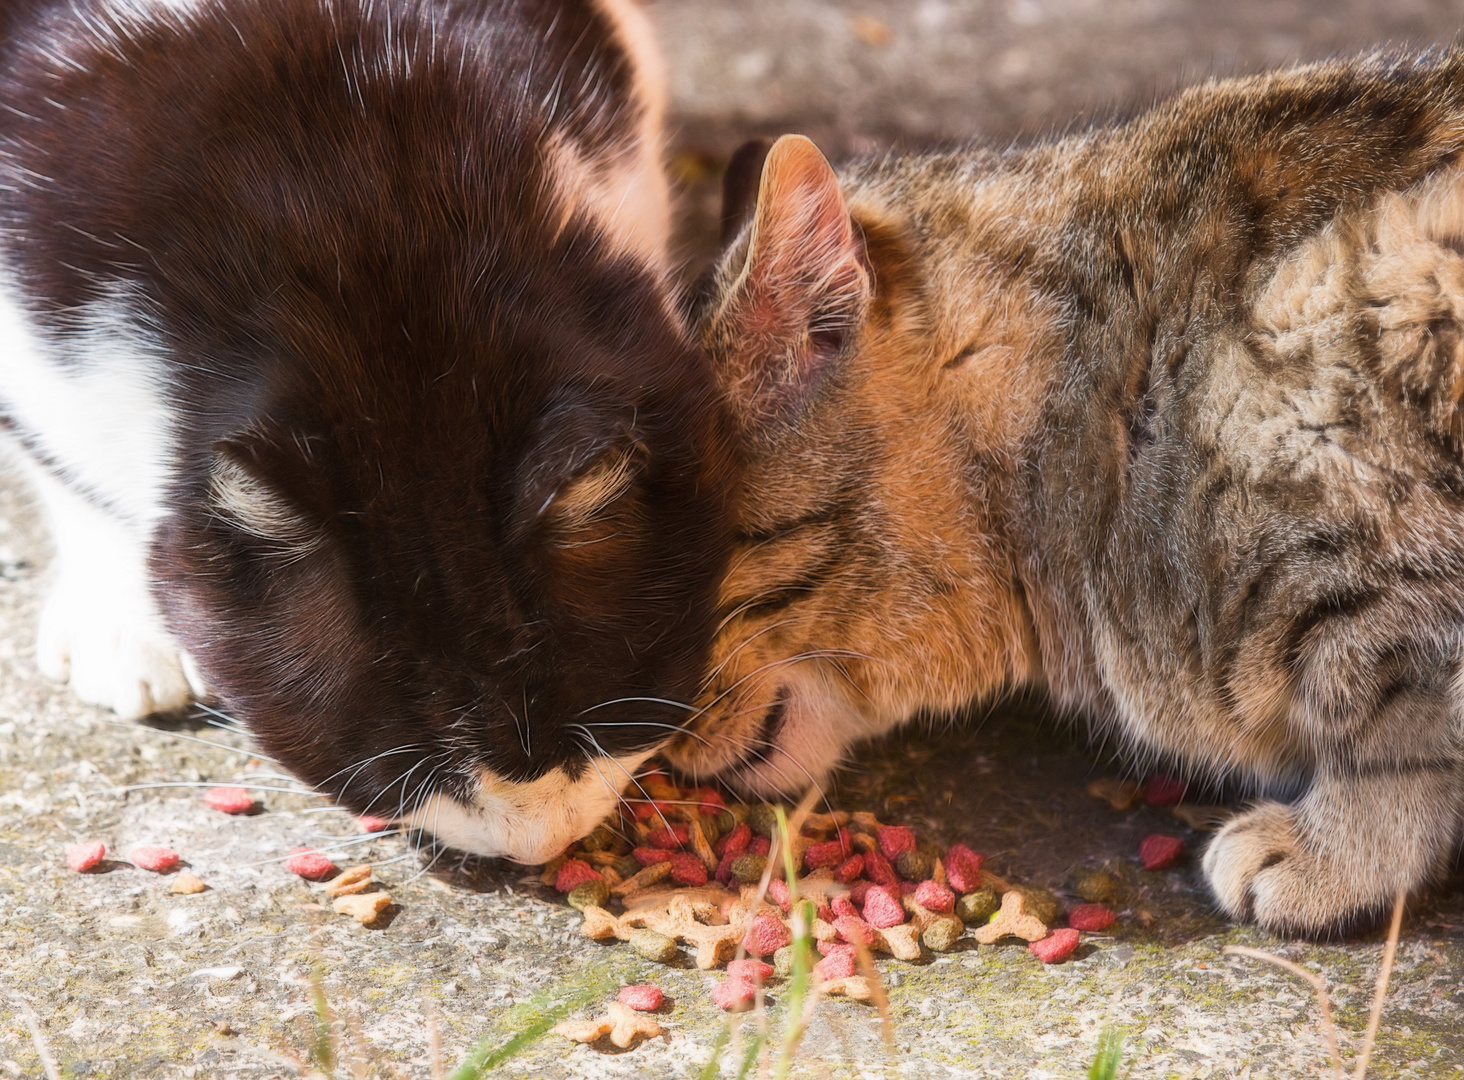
{"points": [[865, 583], [466, 581]]}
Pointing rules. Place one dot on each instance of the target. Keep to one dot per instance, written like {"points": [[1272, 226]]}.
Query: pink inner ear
{"points": [[805, 285], [803, 233]]}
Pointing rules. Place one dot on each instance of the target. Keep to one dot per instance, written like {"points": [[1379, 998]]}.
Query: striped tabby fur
{"points": [[1164, 418]]}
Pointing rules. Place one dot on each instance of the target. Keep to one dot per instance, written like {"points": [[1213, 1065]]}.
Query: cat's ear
{"points": [[240, 493], [800, 293]]}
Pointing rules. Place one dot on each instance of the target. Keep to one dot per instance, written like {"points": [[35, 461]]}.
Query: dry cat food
{"points": [[644, 998], [310, 865], [1159, 852], [150, 857], [229, 799], [685, 868], [82, 857]]}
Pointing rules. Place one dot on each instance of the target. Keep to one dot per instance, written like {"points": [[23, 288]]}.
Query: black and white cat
{"points": [[337, 340]]}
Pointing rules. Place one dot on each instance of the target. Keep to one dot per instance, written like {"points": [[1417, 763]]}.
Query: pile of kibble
{"points": [[687, 867]]}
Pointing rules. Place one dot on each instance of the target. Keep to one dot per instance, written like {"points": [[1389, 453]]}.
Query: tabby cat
{"points": [[1163, 417], [338, 341]]}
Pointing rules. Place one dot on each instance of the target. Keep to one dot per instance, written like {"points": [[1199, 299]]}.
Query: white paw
{"points": [[110, 648]]}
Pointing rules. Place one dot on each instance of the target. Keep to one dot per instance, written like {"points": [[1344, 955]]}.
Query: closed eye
{"points": [[586, 498]]}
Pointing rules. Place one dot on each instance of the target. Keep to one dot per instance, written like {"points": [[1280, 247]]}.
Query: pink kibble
{"points": [[850, 869], [754, 971], [707, 800], [882, 910], [650, 856], [894, 839], [760, 845], [907, 888], [826, 947], [724, 868], [82, 857], [840, 964], [779, 894], [1056, 946], [1164, 791], [313, 866], [687, 869], [734, 995], [843, 906], [157, 859], [1158, 852], [826, 913], [644, 811], [571, 872], [878, 870], [229, 799], [372, 823], [735, 842], [854, 931], [645, 998], [1095, 918], [673, 837], [818, 856], [933, 896], [963, 868], [766, 936], [859, 891]]}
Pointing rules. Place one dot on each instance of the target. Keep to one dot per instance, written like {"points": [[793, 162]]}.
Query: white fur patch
{"points": [[533, 822], [100, 415], [100, 629]]}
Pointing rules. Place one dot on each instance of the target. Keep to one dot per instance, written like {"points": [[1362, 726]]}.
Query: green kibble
{"points": [[763, 819], [942, 934], [603, 838], [589, 894], [783, 961], [748, 869], [1041, 903], [626, 866], [914, 865], [1096, 886], [653, 946], [978, 906], [724, 821]]}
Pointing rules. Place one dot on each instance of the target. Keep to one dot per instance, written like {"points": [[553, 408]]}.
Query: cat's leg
{"points": [[100, 629], [1363, 831]]}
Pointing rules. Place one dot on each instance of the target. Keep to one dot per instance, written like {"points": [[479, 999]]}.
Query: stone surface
{"points": [[129, 980]]}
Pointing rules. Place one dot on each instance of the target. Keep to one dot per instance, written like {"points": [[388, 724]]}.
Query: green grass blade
{"points": [[1109, 1057], [749, 1059], [540, 1014], [714, 1063], [322, 1052]]}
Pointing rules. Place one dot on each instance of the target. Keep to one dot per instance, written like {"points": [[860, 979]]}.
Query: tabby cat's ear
{"points": [[800, 294]]}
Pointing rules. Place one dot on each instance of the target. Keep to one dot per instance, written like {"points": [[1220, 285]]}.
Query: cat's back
{"points": [[1251, 475]]}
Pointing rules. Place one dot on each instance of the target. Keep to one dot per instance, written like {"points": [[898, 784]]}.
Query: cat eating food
{"points": [[339, 345], [1164, 418]]}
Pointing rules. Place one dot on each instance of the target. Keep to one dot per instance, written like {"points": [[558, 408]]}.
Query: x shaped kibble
{"points": [[850, 986], [623, 1024], [902, 942], [1012, 919], [686, 920]]}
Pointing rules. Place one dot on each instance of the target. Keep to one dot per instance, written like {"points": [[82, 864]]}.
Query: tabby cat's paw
{"points": [[1260, 869], [112, 655]]}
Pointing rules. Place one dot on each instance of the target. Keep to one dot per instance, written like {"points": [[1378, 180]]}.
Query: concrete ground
{"points": [[125, 979]]}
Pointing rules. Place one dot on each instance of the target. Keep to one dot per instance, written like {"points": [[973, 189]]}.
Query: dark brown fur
{"points": [[449, 477]]}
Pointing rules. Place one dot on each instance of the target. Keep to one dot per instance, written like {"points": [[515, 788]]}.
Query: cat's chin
{"points": [[528, 822]]}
